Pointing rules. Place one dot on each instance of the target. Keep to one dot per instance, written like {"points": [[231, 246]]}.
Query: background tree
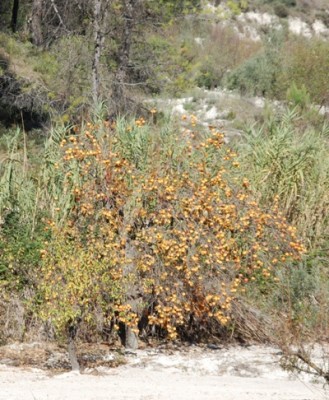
{"points": [[14, 15], [37, 34]]}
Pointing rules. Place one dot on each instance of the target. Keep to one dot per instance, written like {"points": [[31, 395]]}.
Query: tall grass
{"points": [[285, 158], [29, 180], [288, 157], [30, 188]]}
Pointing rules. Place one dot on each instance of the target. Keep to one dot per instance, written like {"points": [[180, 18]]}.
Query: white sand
{"points": [[228, 374]]}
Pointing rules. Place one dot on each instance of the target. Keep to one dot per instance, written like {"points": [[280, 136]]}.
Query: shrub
{"points": [[285, 61], [256, 76], [281, 10], [19, 254], [159, 223], [236, 7], [222, 51], [299, 97], [260, 75], [304, 59], [163, 63]]}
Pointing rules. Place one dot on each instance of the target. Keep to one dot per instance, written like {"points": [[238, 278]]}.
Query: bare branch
{"points": [[58, 14]]}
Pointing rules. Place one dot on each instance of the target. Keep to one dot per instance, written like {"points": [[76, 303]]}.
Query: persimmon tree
{"points": [[161, 217]]}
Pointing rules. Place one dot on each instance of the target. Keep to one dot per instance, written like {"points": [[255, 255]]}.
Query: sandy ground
{"points": [[225, 374]]}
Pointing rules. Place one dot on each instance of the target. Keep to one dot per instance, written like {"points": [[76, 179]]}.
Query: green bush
{"points": [[19, 254], [260, 75], [257, 76], [283, 63], [221, 51], [305, 58], [299, 97]]}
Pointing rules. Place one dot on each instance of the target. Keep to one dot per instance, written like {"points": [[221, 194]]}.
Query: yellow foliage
{"points": [[187, 237]]}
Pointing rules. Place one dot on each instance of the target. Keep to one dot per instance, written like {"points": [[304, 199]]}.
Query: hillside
{"points": [[224, 46]]}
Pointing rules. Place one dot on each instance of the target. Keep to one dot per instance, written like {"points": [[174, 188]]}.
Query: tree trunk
{"points": [[97, 50], [128, 337], [72, 331], [119, 94], [100, 14], [36, 22], [14, 15]]}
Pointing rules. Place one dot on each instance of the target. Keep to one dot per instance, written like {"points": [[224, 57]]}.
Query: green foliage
{"points": [[231, 51], [21, 213], [9, 44], [305, 58], [298, 303], [306, 284], [299, 97], [70, 76], [237, 6], [19, 254], [285, 62], [134, 143], [163, 64], [47, 65], [79, 282], [260, 74], [29, 185], [287, 157], [170, 9], [13, 183]]}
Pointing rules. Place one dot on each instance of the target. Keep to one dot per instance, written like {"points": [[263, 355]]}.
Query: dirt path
{"points": [[226, 374]]}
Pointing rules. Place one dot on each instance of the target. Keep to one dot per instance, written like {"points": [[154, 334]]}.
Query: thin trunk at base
{"points": [[72, 331]]}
